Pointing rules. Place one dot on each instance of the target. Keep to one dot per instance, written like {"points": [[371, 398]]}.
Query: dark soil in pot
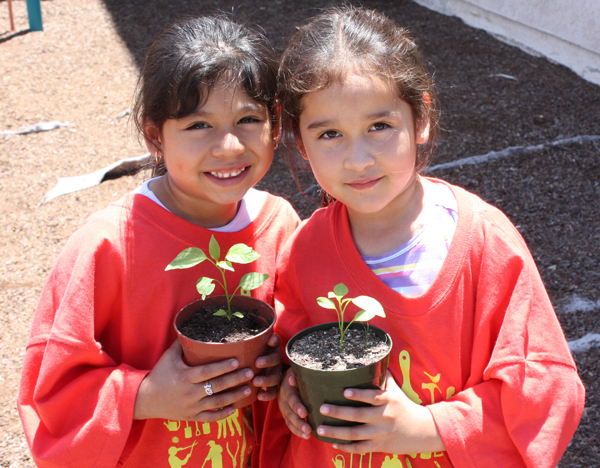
{"points": [[207, 327], [321, 349]]}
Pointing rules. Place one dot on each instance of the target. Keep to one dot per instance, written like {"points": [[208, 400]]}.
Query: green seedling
{"points": [[369, 308], [239, 253]]}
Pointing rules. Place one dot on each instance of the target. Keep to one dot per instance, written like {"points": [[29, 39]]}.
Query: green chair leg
{"points": [[34, 12]]}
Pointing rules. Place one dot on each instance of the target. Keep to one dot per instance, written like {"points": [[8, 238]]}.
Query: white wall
{"points": [[565, 31]]}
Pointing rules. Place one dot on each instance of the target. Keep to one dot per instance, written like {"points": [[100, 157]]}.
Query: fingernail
{"points": [[335, 446], [249, 374], [324, 409], [231, 411], [247, 391], [321, 431], [234, 363], [258, 382], [348, 393], [261, 362]]}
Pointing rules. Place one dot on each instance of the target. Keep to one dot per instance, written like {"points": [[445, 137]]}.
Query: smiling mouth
{"points": [[228, 174], [364, 184]]}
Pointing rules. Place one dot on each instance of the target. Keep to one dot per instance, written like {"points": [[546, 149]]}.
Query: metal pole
{"points": [[34, 12], [10, 14]]}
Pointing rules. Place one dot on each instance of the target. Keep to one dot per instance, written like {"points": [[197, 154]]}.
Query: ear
{"points": [[277, 123], [423, 124], [301, 148], [152, 137]]}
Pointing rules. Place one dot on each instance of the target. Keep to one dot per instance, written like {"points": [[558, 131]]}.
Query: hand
{"points": [[173, 390], [272, 377], [291, 406], [394, 424]]}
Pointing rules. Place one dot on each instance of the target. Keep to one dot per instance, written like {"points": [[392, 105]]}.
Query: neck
{"points": [[384, 231], [200, 212]]}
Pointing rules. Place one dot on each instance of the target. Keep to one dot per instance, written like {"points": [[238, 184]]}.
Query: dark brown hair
{"points": [[189, 57], [349, 39]]}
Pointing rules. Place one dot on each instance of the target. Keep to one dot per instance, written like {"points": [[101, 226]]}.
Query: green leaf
{"points": [[340, 290], [187, 259], [241, 253], [205, 286], [363, 316], [214, 249], [238, 314], [369, 304], [244, 292], [225, 265], [326, 303], [220, 313], [252, 281]]}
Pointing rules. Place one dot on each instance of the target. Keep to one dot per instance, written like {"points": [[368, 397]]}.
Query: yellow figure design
{"points": [[339, 461], [234, 455], [229, 421], [393, 462], [174, 460], [406, 386], [214, 455], [172, 425], [432, 386]]}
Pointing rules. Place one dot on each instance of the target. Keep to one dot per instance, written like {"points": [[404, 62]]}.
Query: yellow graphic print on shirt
{"points": [[431, 384], [226, 451]]}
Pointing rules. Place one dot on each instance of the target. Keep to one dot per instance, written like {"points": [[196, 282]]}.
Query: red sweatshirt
{"points": [[482, 348], [104, 319]]}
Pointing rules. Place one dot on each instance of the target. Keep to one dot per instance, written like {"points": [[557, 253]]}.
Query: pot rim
{"points": [[325, 325], [223, 297]]}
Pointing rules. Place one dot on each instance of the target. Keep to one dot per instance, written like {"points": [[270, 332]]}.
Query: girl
{"points": [[480, 371], [104, 383]]}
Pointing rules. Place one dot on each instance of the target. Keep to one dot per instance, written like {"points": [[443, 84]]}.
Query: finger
{"points": [[297, 426], [351, 433], [274, 341], [214, 415], [269, 380], [227, 381], [292, 379], [364, 446], [267, 394], [224, 399], [206, 372], [372, 397], [269, 360], [350, 413]]}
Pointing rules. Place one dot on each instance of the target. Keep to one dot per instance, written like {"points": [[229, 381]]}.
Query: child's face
{"points": [[216, 154], [360, 140]]}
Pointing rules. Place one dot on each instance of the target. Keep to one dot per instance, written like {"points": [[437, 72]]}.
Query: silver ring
{"points": [[208, 388]]}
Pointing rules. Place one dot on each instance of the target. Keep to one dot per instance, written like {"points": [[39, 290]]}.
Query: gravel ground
{"points": [[82, 69]]}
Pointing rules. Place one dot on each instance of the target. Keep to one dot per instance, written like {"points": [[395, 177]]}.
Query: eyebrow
{"points": [[330, 122], [244, 109]]}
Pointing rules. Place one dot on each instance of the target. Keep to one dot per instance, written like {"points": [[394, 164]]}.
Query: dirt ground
{"points": [[82, 69]]}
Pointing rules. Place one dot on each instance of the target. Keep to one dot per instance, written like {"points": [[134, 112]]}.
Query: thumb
{"points": [[390, 382]]}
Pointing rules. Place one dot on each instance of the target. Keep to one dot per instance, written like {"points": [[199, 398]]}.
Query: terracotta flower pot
{"points": [[318, 387], [246, 351]]}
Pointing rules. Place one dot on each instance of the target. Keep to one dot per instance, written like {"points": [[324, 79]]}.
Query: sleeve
{"points": [[523, 399], [75, 401]]}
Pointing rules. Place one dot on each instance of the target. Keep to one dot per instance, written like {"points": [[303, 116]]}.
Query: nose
{"points": [[358, 157], [227, 145]]}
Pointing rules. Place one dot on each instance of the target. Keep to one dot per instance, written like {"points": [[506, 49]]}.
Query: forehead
{"points": [[226, 94], [352, 93]]}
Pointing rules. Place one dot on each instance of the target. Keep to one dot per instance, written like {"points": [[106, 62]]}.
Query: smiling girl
{"points": [[480, 372], [103, 381]]}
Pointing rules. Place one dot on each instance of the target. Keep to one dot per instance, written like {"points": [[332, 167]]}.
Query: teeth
{"points": [[227, 175]]}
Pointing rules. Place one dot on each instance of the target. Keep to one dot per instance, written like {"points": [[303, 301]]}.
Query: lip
{"points": [[364, 184]]}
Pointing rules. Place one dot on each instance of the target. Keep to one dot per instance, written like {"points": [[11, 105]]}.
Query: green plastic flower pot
{"points": [[318, 387]]}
